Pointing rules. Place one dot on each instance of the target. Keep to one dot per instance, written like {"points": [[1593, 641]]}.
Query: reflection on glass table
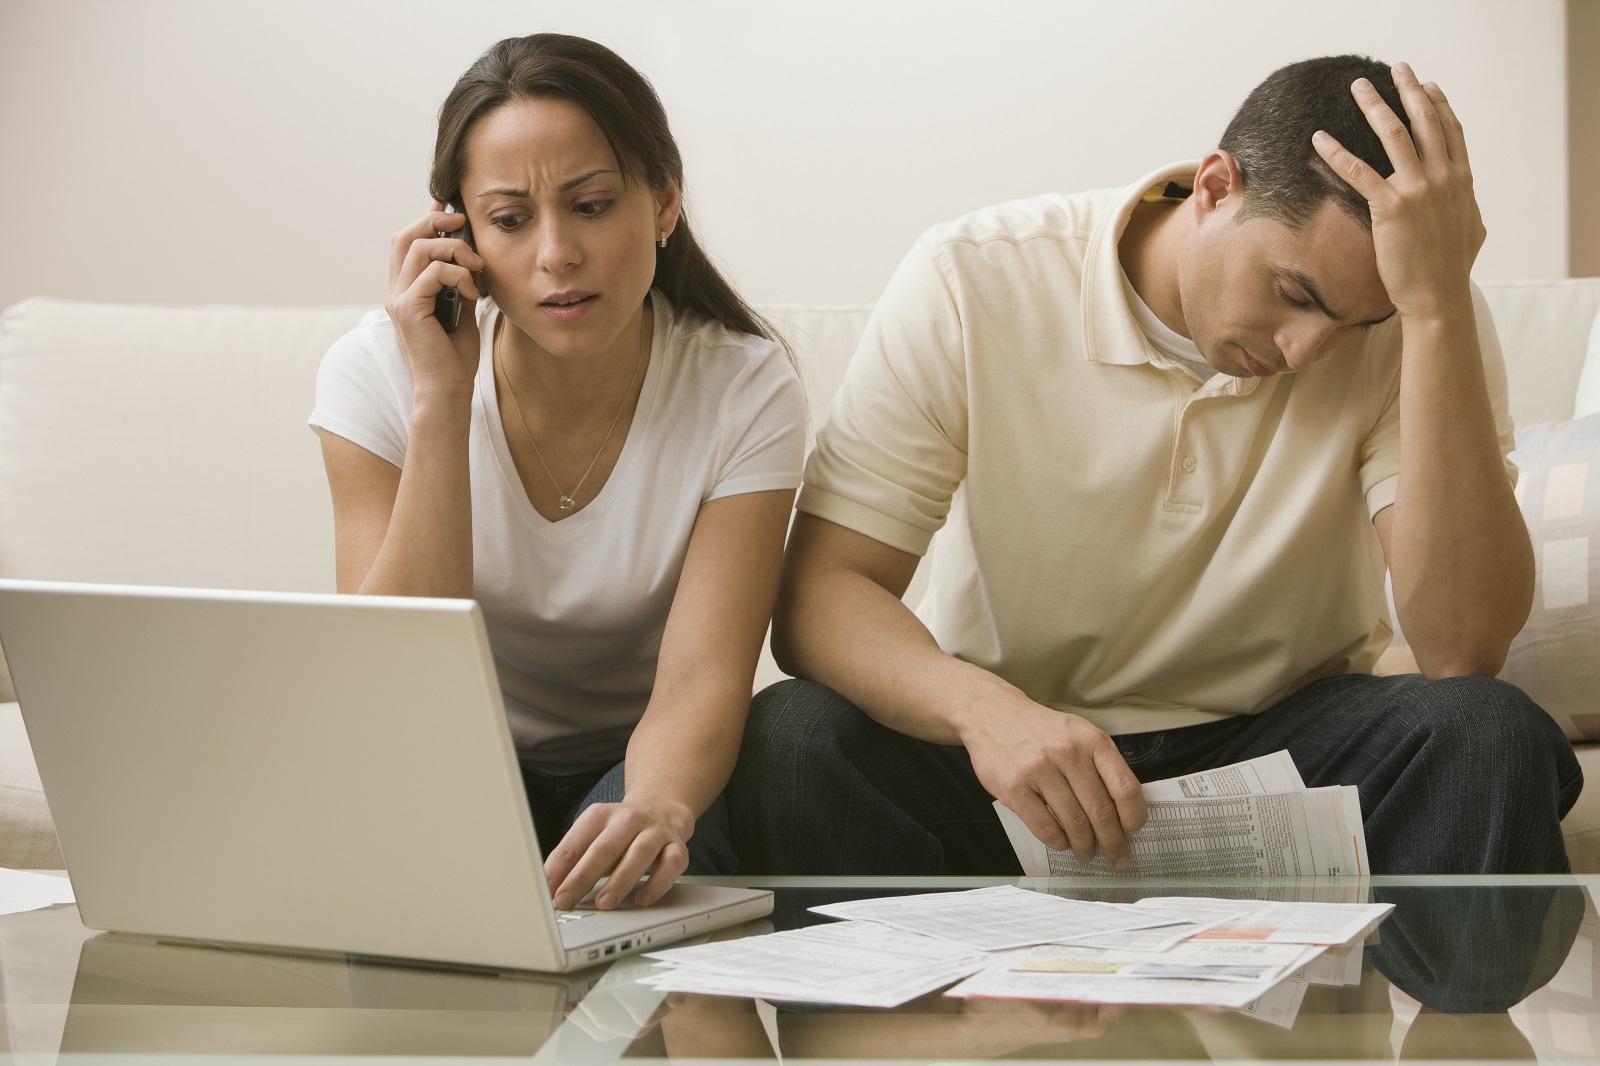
{"points": [[1498, 969]]}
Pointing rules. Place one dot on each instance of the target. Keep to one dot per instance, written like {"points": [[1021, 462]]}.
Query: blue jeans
{"points": [[1463, 775], [556, 800]]}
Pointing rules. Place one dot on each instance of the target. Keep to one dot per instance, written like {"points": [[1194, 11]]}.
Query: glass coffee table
{"points": [[1499, 969]]}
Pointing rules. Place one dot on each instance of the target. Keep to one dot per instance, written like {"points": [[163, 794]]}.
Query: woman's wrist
{"points": [[440, 410], [672, 811]]}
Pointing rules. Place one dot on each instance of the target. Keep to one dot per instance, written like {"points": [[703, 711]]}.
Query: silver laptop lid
{"points": [[283, 769]]}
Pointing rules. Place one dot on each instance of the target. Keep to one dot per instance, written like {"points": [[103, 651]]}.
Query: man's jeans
{"points": [[1463, 775], [556, 800]]}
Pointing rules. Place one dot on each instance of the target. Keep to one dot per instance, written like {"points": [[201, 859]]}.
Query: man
{"points": [[1167, 436]]}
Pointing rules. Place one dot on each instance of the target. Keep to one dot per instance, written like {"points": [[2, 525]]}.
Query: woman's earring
{"points": [[662, 243]]}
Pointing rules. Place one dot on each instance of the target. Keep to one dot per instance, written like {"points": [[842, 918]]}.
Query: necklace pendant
{"points": [[568, 503]]}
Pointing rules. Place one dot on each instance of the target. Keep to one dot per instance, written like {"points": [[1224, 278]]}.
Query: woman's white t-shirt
{"points": [[575, 609]]}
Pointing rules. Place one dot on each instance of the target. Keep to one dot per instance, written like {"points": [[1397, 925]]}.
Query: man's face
{"points": [[1261, 298]]}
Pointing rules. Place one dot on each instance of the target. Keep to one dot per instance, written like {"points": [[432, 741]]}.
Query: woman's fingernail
{"points": [[607, 901], [563, 901]]}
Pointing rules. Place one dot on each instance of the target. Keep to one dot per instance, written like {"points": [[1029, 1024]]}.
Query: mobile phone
{"points": [[447, 305]]}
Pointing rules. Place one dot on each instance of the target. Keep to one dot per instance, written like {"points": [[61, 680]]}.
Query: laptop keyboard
{"points": [[564, 917]]}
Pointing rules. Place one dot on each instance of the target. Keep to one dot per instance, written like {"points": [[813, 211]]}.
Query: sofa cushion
{"points": [[1544, 330], [27, 835], [164, 445]]}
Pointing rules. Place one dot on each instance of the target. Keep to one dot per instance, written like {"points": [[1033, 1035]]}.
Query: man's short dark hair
{"points": [[1270, 137]]}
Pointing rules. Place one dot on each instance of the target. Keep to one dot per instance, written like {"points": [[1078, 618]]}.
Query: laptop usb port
{"points": [[611, 949], [595, 954]]}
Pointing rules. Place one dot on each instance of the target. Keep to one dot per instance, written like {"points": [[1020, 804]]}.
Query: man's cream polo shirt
{"points": [[1118, 539]]}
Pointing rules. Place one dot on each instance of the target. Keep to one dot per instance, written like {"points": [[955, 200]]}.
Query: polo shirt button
{"points": [[1189, 464]]}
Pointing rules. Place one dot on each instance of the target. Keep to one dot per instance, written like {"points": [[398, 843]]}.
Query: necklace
{"points": [[569, 501]]}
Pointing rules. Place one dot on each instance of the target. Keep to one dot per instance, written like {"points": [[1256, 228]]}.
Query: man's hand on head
{"points": [[1426, 227]]}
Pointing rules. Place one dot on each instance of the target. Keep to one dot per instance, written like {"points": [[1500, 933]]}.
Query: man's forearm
{"points": [[842, 629], [1459, 555]]}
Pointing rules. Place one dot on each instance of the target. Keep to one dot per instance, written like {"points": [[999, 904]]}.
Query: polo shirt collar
{"points": [[1110, 332]]}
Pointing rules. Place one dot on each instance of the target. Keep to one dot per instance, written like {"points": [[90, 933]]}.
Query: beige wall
{"points": [[1583, 135], [206, 151]]}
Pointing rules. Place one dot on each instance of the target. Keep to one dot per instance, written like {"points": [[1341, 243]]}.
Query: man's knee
{"points": [[1491, 726], [795, 721], [1480, 710]]}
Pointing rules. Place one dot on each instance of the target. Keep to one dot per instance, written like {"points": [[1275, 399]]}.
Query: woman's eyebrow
{"points": [[566, 186]]}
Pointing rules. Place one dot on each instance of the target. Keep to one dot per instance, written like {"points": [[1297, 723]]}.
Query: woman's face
{"points": [[569, 248]]}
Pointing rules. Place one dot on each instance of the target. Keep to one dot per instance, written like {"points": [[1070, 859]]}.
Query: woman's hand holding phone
{"points": [[422, 263]]}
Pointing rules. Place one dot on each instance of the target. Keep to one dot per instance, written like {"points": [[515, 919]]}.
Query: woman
{"points": [[603, 453]]}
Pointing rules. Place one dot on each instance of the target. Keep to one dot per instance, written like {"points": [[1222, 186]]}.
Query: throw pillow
{"points": [[1587, 401], [1556, 657]]}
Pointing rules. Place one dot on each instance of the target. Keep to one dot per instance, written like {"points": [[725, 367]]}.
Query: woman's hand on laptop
{"points": [[623, 842]]}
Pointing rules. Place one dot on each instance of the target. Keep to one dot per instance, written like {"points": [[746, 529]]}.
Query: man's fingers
{"points": [[1123, 786], [1387, 125], [1427, 135], [1455, 137], [1349, 166], [1066, 804], [1101, 811], [1035, 814]]}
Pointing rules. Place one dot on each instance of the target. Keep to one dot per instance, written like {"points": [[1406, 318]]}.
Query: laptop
{"points": [[301, 772]]}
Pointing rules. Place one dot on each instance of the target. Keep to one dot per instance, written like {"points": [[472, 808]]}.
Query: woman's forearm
{"points": [[683, 750], [427, 550]]}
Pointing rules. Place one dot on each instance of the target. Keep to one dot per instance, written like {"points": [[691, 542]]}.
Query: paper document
{"points": [[1195, 960], [1281, 1004], [1269, 773], [21, 890], [1159, 938], [859, 963], [1301, 923], [1028, 977], [996, 919], [1219, 823]]}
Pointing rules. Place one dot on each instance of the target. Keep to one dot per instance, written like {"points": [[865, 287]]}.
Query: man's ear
{"points": [[669, 205], [1218, 185]]}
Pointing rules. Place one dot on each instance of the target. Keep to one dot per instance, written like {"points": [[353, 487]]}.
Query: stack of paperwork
{"points": [[1253, 955], [1010, 943]]}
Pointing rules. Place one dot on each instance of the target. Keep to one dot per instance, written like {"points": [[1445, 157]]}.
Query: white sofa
{"points": [[167, 446]]}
